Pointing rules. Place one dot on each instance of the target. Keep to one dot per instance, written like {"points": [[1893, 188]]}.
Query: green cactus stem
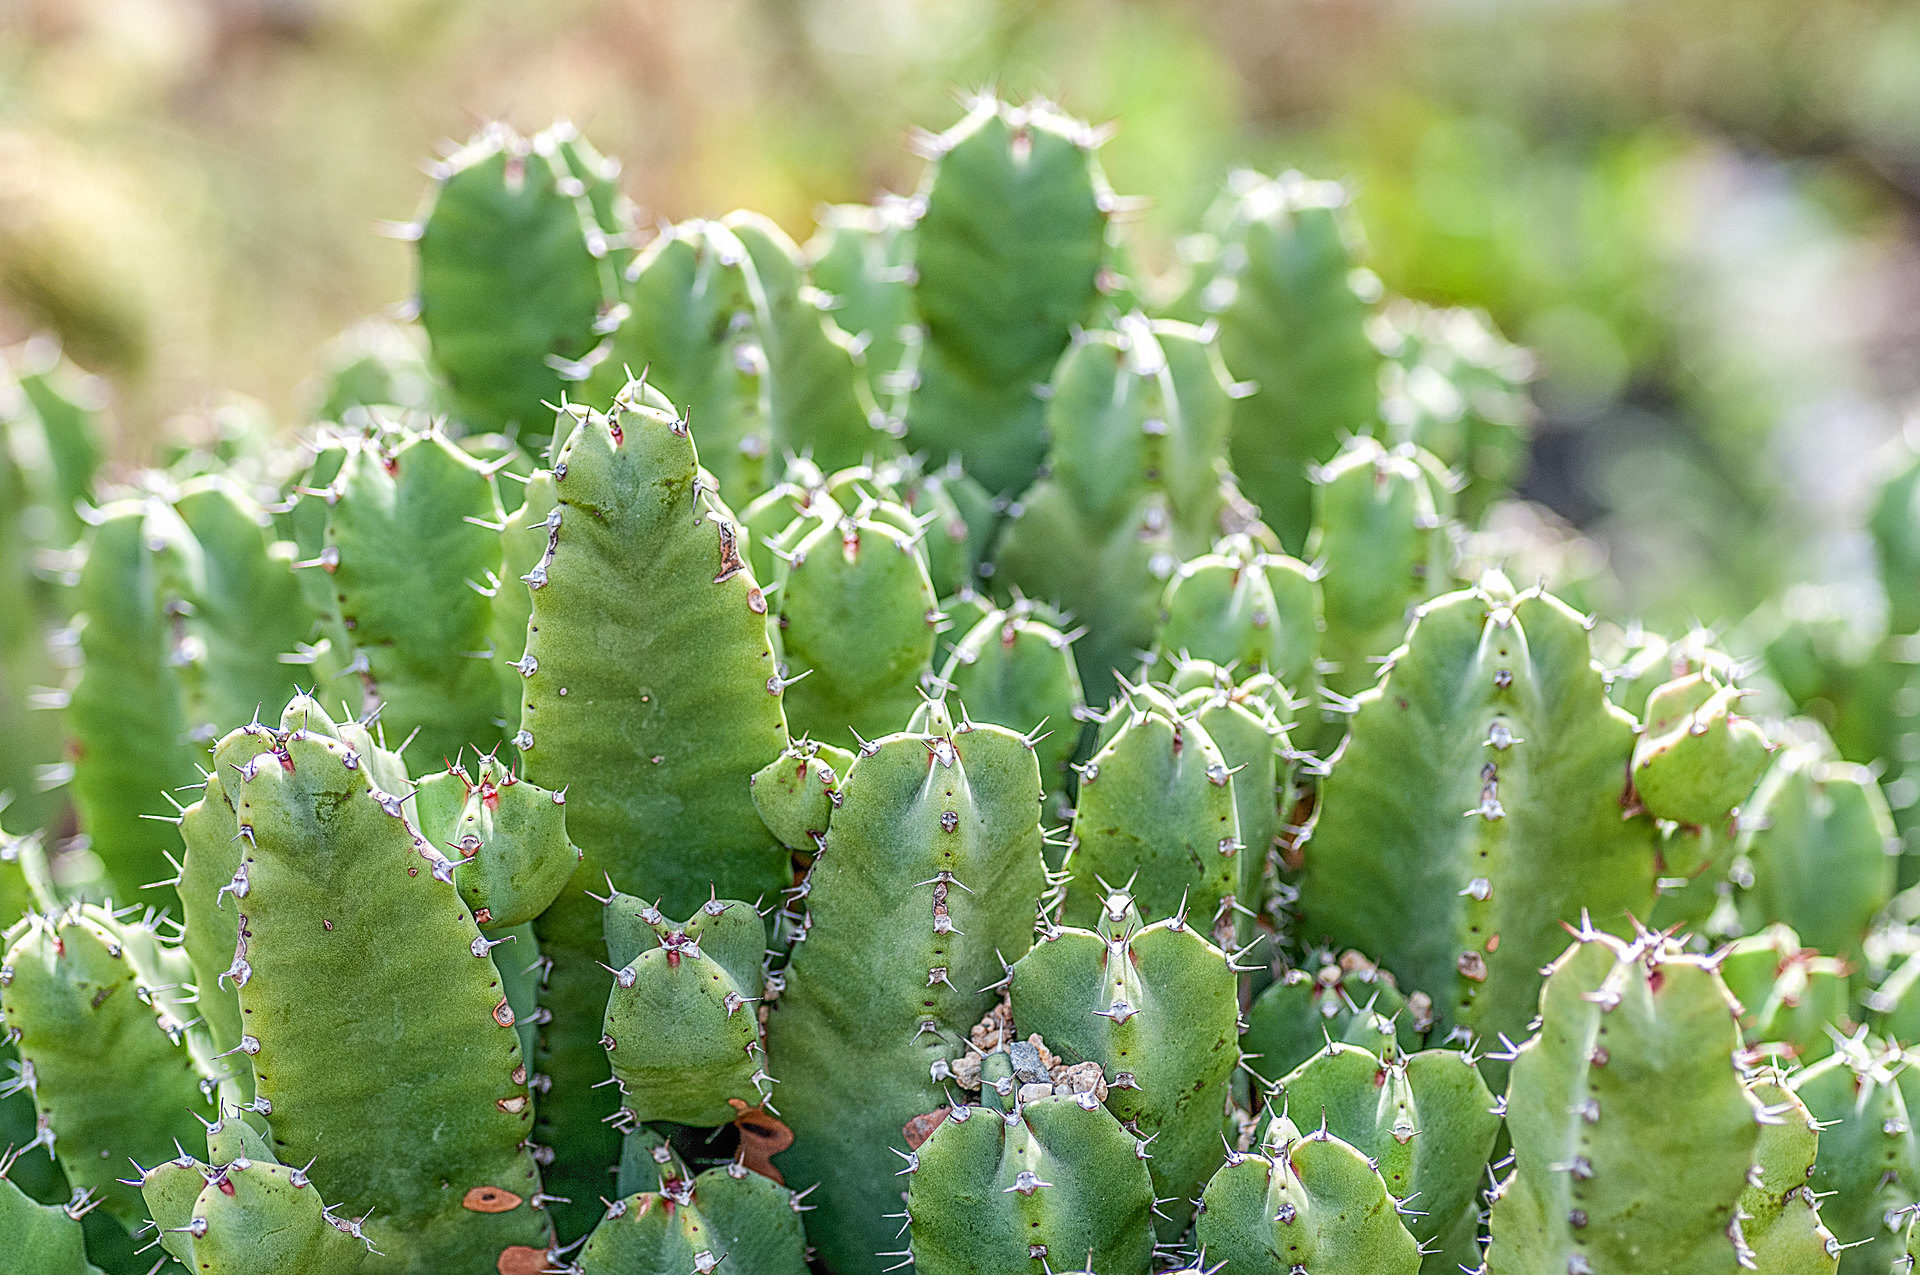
{"points": [[681, 1026], [929, 879], [1155, 814], [1475, 806], [1051, 1183], [510, 230], [1156, 1007], [1631, 1036], [421, 1048], [725, 1221], [1304, 1202], [1007, 259]]}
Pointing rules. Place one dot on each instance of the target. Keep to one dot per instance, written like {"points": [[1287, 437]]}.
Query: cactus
{"points": [[1007, 260], [1792, 999], [1697, 758], [1819, 846], [43, 1239], [1303, 1203], [333, 870], [1380, 539], [1631, 1035], [1138, 424], [1244, 721], [128, 708], [857, 617], [722, 321], [399, 502], [1781, 1231], [241, 1211], [1156, 815], [861, 258], [1015, 670], [702, 977], [373, 365], [1052, 1180], [653, 721], [928, 878], [1867, 1168], [1242, 607], [1457, 866], [1454, 387], [1155, 1007], [721, 1222], [1302, 1010], [1427, 1121], [509, 229], [436, 1002], [1292, 315], [100, 1017]]}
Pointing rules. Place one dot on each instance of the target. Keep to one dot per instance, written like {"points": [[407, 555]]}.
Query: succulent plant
{"points": [[722, 757]]}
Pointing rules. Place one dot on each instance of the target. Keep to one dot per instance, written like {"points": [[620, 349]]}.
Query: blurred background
{"points": [[1703, 215]]}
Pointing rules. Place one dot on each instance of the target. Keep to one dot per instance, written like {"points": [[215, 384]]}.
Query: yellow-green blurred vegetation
{"points": [[1701, 214]]}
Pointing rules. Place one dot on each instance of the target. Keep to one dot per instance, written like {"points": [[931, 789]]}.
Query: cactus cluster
{"points": [[920, 751]]}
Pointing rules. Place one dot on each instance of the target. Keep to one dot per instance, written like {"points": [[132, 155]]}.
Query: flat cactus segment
{"points": [[1630, 1036], [857, 623], [1292, 323], [1015, 670], [1155, 809], [1697, 758], [1243, 608], [247, 610], [860, 258], [651, 697], [503, 239], [1138, 424], [110, 1069], [681, 1027], [1427, 1121], [1304, 1203], [796, 792], [1819, 850], [405, 502], [814, 404], [651, 694], [507, 839], [128, 709], [1054, 1181], [41, 1239], [1868, 1164], [1476, 805], [1780, 1227], [1007, 259], [1157, 1009], [723, 1222], [930, 877], [335, 871], [686, 329], [241, 1212], [1380, 539]]}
